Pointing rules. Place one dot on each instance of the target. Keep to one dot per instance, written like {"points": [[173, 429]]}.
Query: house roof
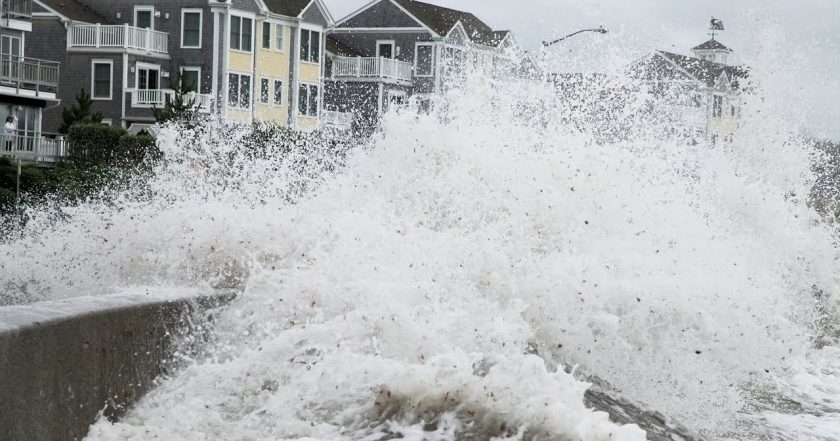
{"points": [[338, 48], [73, 10], [499, 36], [290, 8], [661, 65], [711, 45], [442, 20]]}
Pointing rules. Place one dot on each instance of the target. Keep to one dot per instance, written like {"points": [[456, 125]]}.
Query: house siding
{"points": [[273, 65], [364, 43], [313, 15], [381, 15]]}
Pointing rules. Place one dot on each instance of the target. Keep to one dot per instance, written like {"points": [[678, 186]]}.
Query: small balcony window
{"points": [[310, 46], [102, 80]]}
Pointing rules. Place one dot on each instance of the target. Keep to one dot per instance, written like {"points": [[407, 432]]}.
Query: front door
{"points": [[385, 49]]}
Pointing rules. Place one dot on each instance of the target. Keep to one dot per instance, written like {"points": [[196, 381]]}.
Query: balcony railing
{"points": [[29, 73], [204, 102], [118, 37], [16, 9], [44, 147], [337, 120], [148, 98], [372, 68]]}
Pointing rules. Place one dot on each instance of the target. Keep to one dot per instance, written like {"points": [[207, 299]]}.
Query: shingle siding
{"points": [[365, 43], [313, 15], [381, 15]]}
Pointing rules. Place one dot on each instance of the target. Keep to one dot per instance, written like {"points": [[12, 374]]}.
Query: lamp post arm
{"points": [[600, 30]]}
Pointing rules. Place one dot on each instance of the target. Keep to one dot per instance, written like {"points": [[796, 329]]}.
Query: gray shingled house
{"points": [[390, 50], [702, 93]]}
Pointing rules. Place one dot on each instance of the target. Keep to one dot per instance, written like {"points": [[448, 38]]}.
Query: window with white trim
{"points": [[278, 92], [264, 90], [310, 46], [308, 100], [191, 28], [424, 60], [239, 91], [266, 35], [278, 31], [102, 75], [192, 77], [241, 33], [144, 17], [717, 106]]}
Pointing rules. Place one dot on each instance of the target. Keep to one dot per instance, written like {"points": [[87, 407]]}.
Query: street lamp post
{"points": [[600, 30]]}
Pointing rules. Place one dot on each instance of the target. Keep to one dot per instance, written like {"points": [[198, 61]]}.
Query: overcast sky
{"points": [[796, 43]]}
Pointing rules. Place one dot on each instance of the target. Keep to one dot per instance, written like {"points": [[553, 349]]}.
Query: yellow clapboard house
{"points": [[273, 62]]}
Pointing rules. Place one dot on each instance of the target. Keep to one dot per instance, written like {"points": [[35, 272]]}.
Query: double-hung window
{"points": [[191, 28], [266, 35], [241, 33], [278, 92], [278, 36], [239, 91], [102, 79], [310, 46], [717, 106], [191, 78], [424, 60], [265, 92], [308, 100]]}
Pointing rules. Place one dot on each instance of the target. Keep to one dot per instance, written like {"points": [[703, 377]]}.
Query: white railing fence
{"points": [[367, 67], [204, 102], [30, 147], [148, 98], [16, 9], [117, 36], [336, 119], [29, 73]]}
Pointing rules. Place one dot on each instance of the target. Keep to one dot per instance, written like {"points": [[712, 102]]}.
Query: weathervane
{"points": [[714, 26]]}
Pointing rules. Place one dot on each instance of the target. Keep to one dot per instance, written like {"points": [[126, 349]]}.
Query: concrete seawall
{"points": [[64, 363]]}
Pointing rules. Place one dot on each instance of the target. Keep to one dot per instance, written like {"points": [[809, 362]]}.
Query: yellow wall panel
{"points": [[272, 113], [310, 73], [272, 63], [238, 115], [239, 61]]}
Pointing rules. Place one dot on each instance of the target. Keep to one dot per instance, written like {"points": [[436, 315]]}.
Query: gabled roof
{"points": [[442, 20], [499, 37], [711, 45], [73, 10], [338, 48], [663, 65], [289, 8]]}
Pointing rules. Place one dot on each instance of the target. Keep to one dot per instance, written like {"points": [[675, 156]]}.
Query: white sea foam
{"points": [[431, 283]]}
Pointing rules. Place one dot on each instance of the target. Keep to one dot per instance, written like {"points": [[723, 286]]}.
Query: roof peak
{"points": [[711, 45]]}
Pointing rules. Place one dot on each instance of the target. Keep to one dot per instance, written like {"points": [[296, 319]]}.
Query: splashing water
{"points": [[442, 281]]}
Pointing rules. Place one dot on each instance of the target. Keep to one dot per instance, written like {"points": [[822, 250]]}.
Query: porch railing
{"points": [[29, 73], [118, 37], [336, 119], [16, 9], [203, 101], [44, 147], [148, 98], [367, 67]]}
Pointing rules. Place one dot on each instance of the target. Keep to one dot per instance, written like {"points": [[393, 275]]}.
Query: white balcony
{"points": [[149, 98], [29, 74], [202, 101], [121, 37], [41, 148], [378, 69], [337, 120], [16, 9]]}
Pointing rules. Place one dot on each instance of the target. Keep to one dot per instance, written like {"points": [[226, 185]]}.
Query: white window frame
{"points": [[274, 93], [262, 34], [196, 69], [393, 44], [321, 45], [93, 64], [268, 97], [416, 59], [238, 105], [143, 8], [253, 30], [148, 66], [318, 108], [279, 37], [184, 12]]}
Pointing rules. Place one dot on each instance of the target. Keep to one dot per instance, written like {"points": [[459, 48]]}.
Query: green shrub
{"points": [[99, 144]]}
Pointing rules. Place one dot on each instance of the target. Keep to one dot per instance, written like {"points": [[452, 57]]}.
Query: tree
{"points": [[81, 112], [182, 107]]}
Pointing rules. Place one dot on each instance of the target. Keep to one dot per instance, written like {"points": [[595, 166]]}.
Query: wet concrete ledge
{"points": [[65, 363]]}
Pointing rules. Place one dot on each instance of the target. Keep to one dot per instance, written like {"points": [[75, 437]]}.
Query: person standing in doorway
{"points": [[9, 129]]}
